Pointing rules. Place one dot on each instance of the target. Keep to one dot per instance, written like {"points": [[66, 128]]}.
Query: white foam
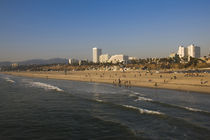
{"points": [[131, 95], [136, 93], [143, 99], [194, 109], [143, 111], [9, 80], [45, 86], [98, 100]]}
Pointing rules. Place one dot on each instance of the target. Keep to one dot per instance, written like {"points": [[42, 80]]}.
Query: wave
{"points": [[137, 93], [173, 105], [134, 94], [182, 107], [131, 95], [143, 99], [195, 109], [45, 86], [98, 100], [143, 111], [139, 98], [9, 80]]}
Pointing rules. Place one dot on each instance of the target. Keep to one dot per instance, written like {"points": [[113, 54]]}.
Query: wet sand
{"points": [[176, 81]]}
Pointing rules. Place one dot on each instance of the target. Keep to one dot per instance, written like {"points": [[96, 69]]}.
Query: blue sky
{"points": [[71, 28]]}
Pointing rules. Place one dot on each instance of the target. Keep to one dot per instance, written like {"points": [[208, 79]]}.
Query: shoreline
{"points": [[173, 81]]}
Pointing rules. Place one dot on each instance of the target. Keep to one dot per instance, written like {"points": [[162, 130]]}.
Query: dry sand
{"points": [[178, 81]]}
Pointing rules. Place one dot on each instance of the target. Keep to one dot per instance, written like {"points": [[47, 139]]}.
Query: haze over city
{"points": [[141, 28]]}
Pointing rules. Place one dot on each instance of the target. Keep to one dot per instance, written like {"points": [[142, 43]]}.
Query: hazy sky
{"points": [[71, 28]]}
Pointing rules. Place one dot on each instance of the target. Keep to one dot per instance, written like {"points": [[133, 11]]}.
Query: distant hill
{"points": [[38, 62], [43, 61], [6, 63]]}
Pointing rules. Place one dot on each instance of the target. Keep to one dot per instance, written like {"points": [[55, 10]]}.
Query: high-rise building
{"points": [[96, 54], [193, 51], [182, 52], [104, 58]]}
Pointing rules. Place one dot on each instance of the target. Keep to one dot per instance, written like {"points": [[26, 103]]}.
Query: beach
{"points": [[196, 82]]}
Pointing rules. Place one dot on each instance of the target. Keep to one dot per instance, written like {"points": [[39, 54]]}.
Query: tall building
{"points": [[104, 58], [182, 52], [96, 54], [193, 51]]}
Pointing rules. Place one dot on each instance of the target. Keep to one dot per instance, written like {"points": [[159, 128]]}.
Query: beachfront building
{"points": [[73, 61], [96, 54], [182, 52], [118, 58], [83, 62], [132, 58], [104, 58], [14, 65], [193, 51], [172, 55]]}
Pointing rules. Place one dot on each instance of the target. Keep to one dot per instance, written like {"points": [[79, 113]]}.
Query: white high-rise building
{"points": [[104, 58], [96, 54], [193, 51], [182, 52]]}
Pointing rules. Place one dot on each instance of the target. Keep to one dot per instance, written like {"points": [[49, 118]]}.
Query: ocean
{"points": [[49, 109]]}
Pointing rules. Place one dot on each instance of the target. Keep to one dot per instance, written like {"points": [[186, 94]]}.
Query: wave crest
{"points": [[143, 111], [45, 86], [143, 99], [137, 93], [98, 100], [9, 80], [195, 109]]}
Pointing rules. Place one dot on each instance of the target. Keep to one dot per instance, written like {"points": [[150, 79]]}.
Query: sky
{"points": [[43, 29]]}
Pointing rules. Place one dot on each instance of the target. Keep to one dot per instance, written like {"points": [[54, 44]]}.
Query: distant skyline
{"points": [[34, 29]]}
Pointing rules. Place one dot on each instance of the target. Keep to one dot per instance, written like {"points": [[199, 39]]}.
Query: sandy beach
{"points": [[177, 81]]}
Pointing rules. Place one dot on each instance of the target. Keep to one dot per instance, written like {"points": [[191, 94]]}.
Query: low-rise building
{"points": [[83, 62], [172, 55], [132, 58], [14, 65], [118, 58], [104, 58], [73, 61]]}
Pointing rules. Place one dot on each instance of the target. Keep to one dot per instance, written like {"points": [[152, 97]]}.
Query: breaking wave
{"points": [[9, 80], [143, 111], [139, 98], [44, 86], [195, 110], [136, 93], [174, 106], [143, 99], [98, 100]]}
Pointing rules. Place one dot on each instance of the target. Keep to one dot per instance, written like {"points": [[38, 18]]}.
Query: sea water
{"points": [[46, 109]]}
